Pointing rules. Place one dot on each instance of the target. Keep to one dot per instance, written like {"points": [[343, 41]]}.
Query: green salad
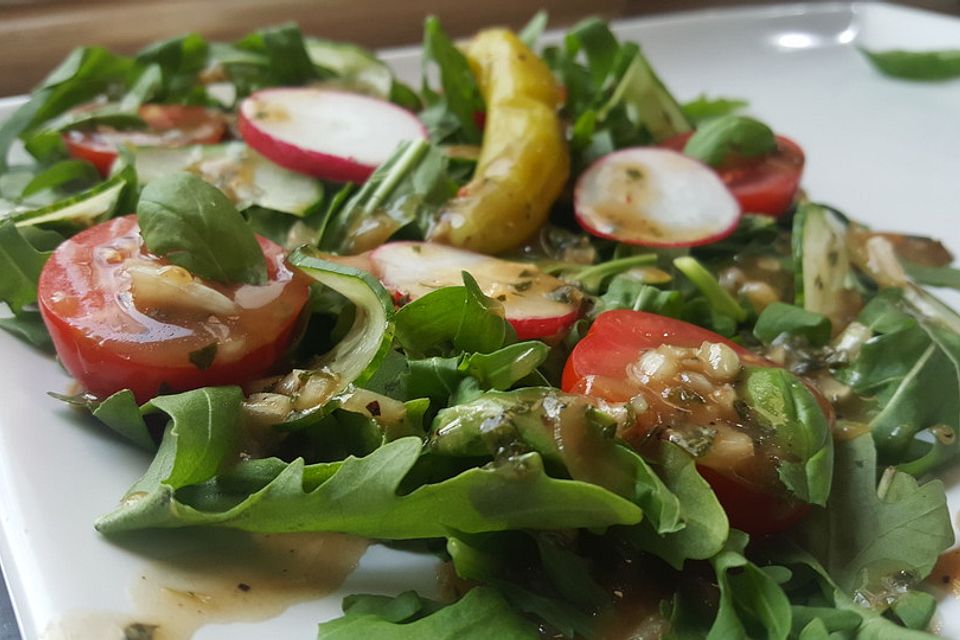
{"points": [[591, 347]]}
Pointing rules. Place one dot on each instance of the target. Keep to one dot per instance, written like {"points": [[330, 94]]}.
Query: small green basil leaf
{"points": [[717, 139], [780, 318], [453, 320], [780, 402], [483, 327], [917, 65], [194, 225]]}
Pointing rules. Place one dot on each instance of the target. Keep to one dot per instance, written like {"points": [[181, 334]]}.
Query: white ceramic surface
{"points": [[884, 151]]}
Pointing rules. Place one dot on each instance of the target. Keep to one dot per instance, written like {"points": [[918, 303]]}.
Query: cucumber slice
{"points": [[824, 281], [357, 67], [86, 208], [245, 176], [358, 356]]}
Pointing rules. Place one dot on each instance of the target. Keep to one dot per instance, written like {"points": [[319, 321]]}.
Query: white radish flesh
{"points": [[654, 197], [329, 134], [536, 304]]}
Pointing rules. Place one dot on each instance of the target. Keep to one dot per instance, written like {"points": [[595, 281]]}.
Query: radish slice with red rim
{"points": [[329, 134], [536, 304], [654, 197]]}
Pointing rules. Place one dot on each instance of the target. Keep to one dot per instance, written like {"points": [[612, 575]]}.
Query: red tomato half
{"points": [[598, 367], [767, 184], [111, 332], [168, 125]]}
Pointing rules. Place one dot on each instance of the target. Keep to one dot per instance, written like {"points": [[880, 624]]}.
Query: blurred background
{"points": [[36, 34]]}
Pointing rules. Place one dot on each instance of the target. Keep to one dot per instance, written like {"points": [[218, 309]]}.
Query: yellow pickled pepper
{"points": [[524, 162]]}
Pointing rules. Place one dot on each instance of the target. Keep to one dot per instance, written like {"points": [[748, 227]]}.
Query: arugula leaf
{"points": [[60, 174], [933, 276], [869, 535], [120, 412], [85, 73], [179, 62], [194, 225], [357, 495], [408, 188], [716, 140], [915, 609], [916, 65], [614, 98], [568, 431], [453, 319], [705, 526], [838, 613], [482, 614], [909, 374], [625, 292], [460, 99], [751, 603], [780, 318], [703, 108], [532, 31], [717, 297], [494, 559], [20, 264], [29, 327], [288, 63]]}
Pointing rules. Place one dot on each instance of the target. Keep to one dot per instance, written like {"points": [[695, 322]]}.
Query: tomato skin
{"points": [[767, 184], [105, 348], [597, 366], [617, 337], [749, 509], [169, 125]]}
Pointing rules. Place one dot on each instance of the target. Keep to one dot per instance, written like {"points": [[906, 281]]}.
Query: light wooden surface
{"points": [[36, 34]]}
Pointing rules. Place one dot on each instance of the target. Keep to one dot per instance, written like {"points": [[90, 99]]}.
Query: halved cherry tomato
{"points": [[765, 184], [598, 366], [168, 125], [123, 318]]}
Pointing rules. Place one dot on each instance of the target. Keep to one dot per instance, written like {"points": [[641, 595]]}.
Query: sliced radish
{"points": [[536, 304], [654, 197], [332, 135]]}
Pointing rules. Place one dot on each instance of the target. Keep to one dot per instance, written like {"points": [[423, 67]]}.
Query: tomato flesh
{"points": [[767, 184], [168, 125], [748, 490], [108, 342]]}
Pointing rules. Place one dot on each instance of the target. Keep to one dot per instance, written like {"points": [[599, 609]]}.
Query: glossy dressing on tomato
{"points": [[121, 317]]}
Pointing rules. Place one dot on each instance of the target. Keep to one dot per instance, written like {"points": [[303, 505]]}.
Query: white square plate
{"points": [[884, 151]]}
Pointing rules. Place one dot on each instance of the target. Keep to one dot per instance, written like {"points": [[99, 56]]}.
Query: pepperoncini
{"points": [[524, 162]]}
